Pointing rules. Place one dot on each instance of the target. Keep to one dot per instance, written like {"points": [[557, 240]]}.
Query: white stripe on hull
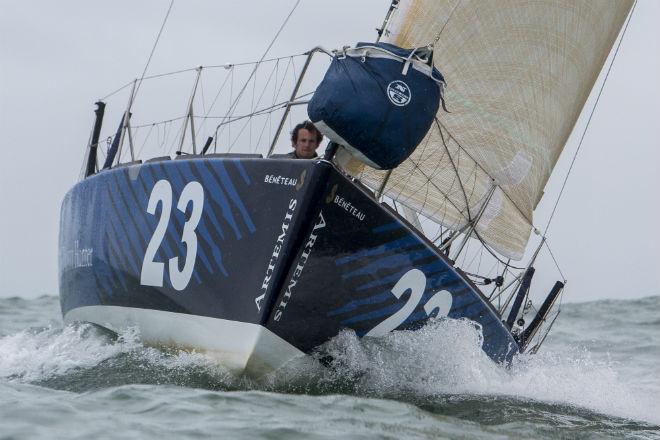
{"points": [[241, 347]]}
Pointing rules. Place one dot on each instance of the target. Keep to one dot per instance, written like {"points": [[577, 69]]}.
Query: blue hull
{"points": [[255, 260]]}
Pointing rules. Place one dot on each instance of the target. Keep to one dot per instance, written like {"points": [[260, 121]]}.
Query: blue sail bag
{"points": [[378, 101]]}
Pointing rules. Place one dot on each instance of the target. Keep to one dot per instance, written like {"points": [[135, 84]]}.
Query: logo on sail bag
{"points": [[399, 93]]}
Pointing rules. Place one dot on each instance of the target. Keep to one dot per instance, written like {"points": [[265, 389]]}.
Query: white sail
{"points": [[518, 74]]}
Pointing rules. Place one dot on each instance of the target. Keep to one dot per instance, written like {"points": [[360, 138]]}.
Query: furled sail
{"points": [[518, 73]]}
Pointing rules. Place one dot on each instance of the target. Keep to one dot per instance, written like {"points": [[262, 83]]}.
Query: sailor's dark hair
{"points": [[307, 125]]}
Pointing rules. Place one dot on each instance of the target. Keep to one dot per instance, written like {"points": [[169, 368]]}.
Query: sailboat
{"points": [[257, 260]]}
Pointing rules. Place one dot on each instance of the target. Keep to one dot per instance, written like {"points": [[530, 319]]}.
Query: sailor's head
{"points": [[305, 139]]}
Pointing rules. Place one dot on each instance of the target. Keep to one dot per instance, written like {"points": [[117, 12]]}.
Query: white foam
{"points": [[30, 356], [446, 357]]}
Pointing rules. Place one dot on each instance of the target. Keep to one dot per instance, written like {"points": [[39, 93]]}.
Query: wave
{"points": [[440, 366], [80, 357], [445, 359]]}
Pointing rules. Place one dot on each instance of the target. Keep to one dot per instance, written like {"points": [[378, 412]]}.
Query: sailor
{"points": [[305, 139]]}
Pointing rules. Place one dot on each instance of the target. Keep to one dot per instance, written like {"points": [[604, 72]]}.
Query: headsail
{"points": [[518, 75]]}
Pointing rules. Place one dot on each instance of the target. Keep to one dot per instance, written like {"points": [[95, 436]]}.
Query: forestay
{"points": [[518, 74]]}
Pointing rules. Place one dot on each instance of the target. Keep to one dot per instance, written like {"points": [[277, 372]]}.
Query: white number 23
{"points": [[415, 281], [152, 271]]}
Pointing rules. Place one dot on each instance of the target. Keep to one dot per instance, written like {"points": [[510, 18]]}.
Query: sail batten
{"points": [[518, 74]]}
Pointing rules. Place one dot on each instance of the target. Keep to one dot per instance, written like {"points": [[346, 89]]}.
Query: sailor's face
{"points": [[306, 144]]}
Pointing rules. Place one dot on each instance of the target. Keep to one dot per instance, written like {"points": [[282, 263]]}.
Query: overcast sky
{"points": [[57, 58]]}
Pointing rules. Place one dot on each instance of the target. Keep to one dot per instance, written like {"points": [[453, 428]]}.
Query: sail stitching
{"points": [[586, 127]]}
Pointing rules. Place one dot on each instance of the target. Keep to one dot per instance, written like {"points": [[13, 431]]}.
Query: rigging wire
{"points": [[283, 105], [253, 105], [584, 132], [296, 77], [136, 89], [490, 251], [235, 102], [225, 121], [146, 139], [214, 66], [247, 63], [175, 72], [116, 91], [153, 49], [201, 90], [269, 109], [178, 118], [545, 242], [232, 107], [451, 14], [217, 95], [467, 153], [219, 131]]}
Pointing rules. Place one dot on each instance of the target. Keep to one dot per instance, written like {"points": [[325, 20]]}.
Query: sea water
{"points": [[597, 376]]}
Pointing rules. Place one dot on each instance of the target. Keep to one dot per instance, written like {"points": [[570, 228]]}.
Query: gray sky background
{"points": [[57, 58]]}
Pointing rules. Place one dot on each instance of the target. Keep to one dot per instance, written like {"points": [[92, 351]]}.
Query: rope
{"points": [[554, 209], [153, 49]]}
